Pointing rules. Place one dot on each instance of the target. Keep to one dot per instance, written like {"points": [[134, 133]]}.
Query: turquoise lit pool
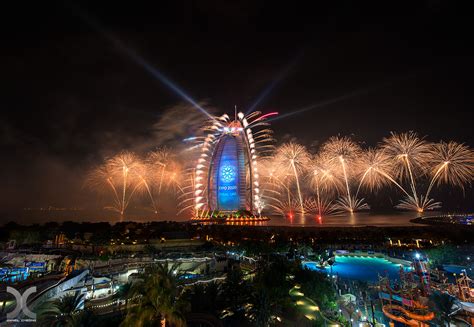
{"points": [[13, 275], [360, 268]]}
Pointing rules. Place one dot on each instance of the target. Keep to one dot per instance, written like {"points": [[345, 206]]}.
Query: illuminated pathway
{"points": [[308, 307]]}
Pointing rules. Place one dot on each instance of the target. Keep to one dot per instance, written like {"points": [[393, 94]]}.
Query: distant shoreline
{"points": [[359, 219]]}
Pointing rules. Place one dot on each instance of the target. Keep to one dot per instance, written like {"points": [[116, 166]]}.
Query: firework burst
{"points": [[320, 207], [411, 156], [330, 180], [323, 175], [452, 164], [351, 204], [163, 172], [343, 154], [123, 175], [286, 207], [295, 158], [420, 205], [375, 170]]}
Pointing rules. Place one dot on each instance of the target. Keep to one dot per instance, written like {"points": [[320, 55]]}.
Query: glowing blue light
{"points": [[228, 174], [278, 78]]}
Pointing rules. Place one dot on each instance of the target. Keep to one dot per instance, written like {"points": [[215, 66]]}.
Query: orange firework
{"points": [[343, 154], [123, 175], [294, 158], [375, 170]]}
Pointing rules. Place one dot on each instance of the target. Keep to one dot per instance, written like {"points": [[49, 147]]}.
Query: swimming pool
{"points": [[13, 275], [360, 268]]}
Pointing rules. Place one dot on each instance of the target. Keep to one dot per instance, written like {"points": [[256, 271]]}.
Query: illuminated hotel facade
{"points": [[226, 178]]}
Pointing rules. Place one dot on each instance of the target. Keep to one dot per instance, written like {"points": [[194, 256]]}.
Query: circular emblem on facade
{"points": [[228, 174]]}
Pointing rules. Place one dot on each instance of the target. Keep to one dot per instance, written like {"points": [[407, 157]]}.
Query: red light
{"points": [[266, 115]]}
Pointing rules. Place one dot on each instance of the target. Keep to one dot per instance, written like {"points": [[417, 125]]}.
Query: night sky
{"points": [[72, 93]]}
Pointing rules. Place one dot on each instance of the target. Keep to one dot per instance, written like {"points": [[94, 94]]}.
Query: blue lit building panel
{"points": [[229, 187], [228, 197]]}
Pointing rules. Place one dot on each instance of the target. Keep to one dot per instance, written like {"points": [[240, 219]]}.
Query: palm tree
{"points": [[65, 311], [262, 309], [270, 292], [213, 294], [443, 304], [124, 292], [304, 250], [160, 301], [205, 298], [235, 292], [85, 318]]}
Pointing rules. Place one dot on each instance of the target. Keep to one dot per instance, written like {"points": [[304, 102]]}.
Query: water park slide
{"points": [[404, 301], [415, 319], [468, 306]]}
